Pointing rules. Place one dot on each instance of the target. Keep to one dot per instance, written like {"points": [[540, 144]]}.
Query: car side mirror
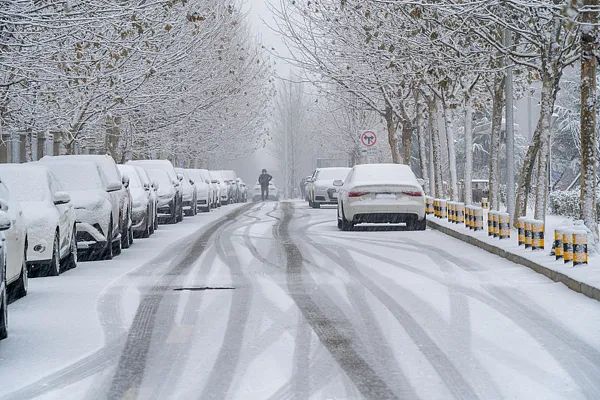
{"points": [[4, 221], [125, 181], [192, 182], [61, 198], [113, 187], [146, 187], [179, 177], [3, 205], [338, 182]]}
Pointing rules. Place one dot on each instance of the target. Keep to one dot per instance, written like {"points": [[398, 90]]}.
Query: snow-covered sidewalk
{"points": [[584, 279]]}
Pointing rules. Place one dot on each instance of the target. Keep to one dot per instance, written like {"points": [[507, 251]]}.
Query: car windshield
{"points": [[78, 176], [384, 172], [134, 179], [26, 184], [333, 173], [161, 177]]}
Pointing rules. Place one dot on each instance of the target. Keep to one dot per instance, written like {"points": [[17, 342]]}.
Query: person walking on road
{"points": [[264, 180]]}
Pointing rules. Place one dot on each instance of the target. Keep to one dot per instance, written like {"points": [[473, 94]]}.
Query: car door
{"points": [[14, 237]]}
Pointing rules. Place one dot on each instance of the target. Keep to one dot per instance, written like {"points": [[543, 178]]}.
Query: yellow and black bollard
{"points": [[503, 225], [428, 205], [490, 223], [460, 213], [478, 218], [495, 227], [436, 208], [443, 209], [450, 205], [537, 235], [484, 202], [521, 230], [528, 233], [580, 247], [567, 246], [557, 245]]}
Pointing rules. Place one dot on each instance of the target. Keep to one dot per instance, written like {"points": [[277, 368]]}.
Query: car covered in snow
{"points": [[16, 245], [188, 192], [170, 196], [49, 217], [273, 192], [203, 190], [165, 192], [142, 207], [4, 226], [243, 191], [233, 188], [222, 188], [320, 187], [152, 190], [97, 210], [113, 179], [381, 193]]}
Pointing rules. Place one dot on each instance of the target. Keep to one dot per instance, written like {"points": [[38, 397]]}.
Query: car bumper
{"points": [[382, 211]]}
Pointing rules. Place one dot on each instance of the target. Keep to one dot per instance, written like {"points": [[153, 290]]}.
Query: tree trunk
{"points": [[407, 130], [588, 119], [546, 110], [392, 127], [421, 138], [451, 154], [436, 148], [494, 177], [468, 149]]}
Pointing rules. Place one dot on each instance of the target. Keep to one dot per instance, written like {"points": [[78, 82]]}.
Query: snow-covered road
{"points": [[271, 301]]}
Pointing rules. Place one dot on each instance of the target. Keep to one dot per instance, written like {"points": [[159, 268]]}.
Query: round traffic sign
{"points": [[368, 138]]}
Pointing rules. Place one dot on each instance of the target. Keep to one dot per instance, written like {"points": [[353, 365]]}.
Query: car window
{"points": [[78, 176], [27, 184]]}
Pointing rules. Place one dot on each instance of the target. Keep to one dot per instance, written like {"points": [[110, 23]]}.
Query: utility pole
{"points": [[510, 131]]}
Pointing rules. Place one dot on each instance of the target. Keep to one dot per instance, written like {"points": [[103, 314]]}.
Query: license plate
{"points": [[385, 196]]}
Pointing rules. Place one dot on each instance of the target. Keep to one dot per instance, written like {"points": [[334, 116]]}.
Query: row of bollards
{"points": [[570, 245]]}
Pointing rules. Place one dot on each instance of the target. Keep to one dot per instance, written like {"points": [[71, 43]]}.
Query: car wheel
{"points": [[53, 268], [125, 243], [130, 236], [148, 229], [346, 225], [108, 250], [339, 220], [72, 258], [4, 313], [22, 284], [316, 205], [419, 225], [155, 227], [180, 213]]}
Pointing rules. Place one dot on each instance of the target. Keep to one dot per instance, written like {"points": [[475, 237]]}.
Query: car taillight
{"points": [[412, 194], [357, 194]]}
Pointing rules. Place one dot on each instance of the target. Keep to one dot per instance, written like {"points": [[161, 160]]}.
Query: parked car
{"points": [[203, 190], [320, 187], [273, 192], [97, 209], [243, 191], [381, 193], [4, 226], [231, 178], [115, 187], [49, 217], [152, 195], [142, 216], [170, 196], [16, 245], [213, 187], [222, 189], [189, 194]]}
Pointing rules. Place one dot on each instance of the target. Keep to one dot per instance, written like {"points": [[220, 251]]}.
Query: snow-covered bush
{"points": [[566, 204]]}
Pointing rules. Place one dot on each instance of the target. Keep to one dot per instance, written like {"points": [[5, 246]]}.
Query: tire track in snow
{"points": [[132, 363], [338, 342]]}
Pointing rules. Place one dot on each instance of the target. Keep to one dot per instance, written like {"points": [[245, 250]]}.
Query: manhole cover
{"points": [[198, 289]]}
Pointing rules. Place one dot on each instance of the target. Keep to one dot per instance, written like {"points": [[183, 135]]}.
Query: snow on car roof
{"points": [[368, 174], [105, 162], [26, 182], [77, 175], [164, 165]]}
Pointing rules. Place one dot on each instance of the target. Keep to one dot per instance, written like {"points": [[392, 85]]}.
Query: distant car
{"points": [[4, 226], [223, 187], [243, 190], [49, 215], [152, 194], [96, 209], [166, 194], [188, 192], [16, 245], [170, 199], [142, 209], [381, 193], [273, 192], [115, 187], [234, 190], [320, 187]]}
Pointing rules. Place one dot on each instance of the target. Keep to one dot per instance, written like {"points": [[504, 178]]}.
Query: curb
{"points": [[573, 284]]}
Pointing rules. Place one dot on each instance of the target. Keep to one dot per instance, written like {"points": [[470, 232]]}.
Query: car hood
{"points": [[37, 213]]}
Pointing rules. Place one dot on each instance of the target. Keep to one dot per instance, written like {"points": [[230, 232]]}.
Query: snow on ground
{"points": [[589, 274], [65, 318], [304, 312]]}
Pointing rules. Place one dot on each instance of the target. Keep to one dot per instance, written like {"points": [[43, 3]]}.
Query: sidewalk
{"points": [[583, 279]]}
